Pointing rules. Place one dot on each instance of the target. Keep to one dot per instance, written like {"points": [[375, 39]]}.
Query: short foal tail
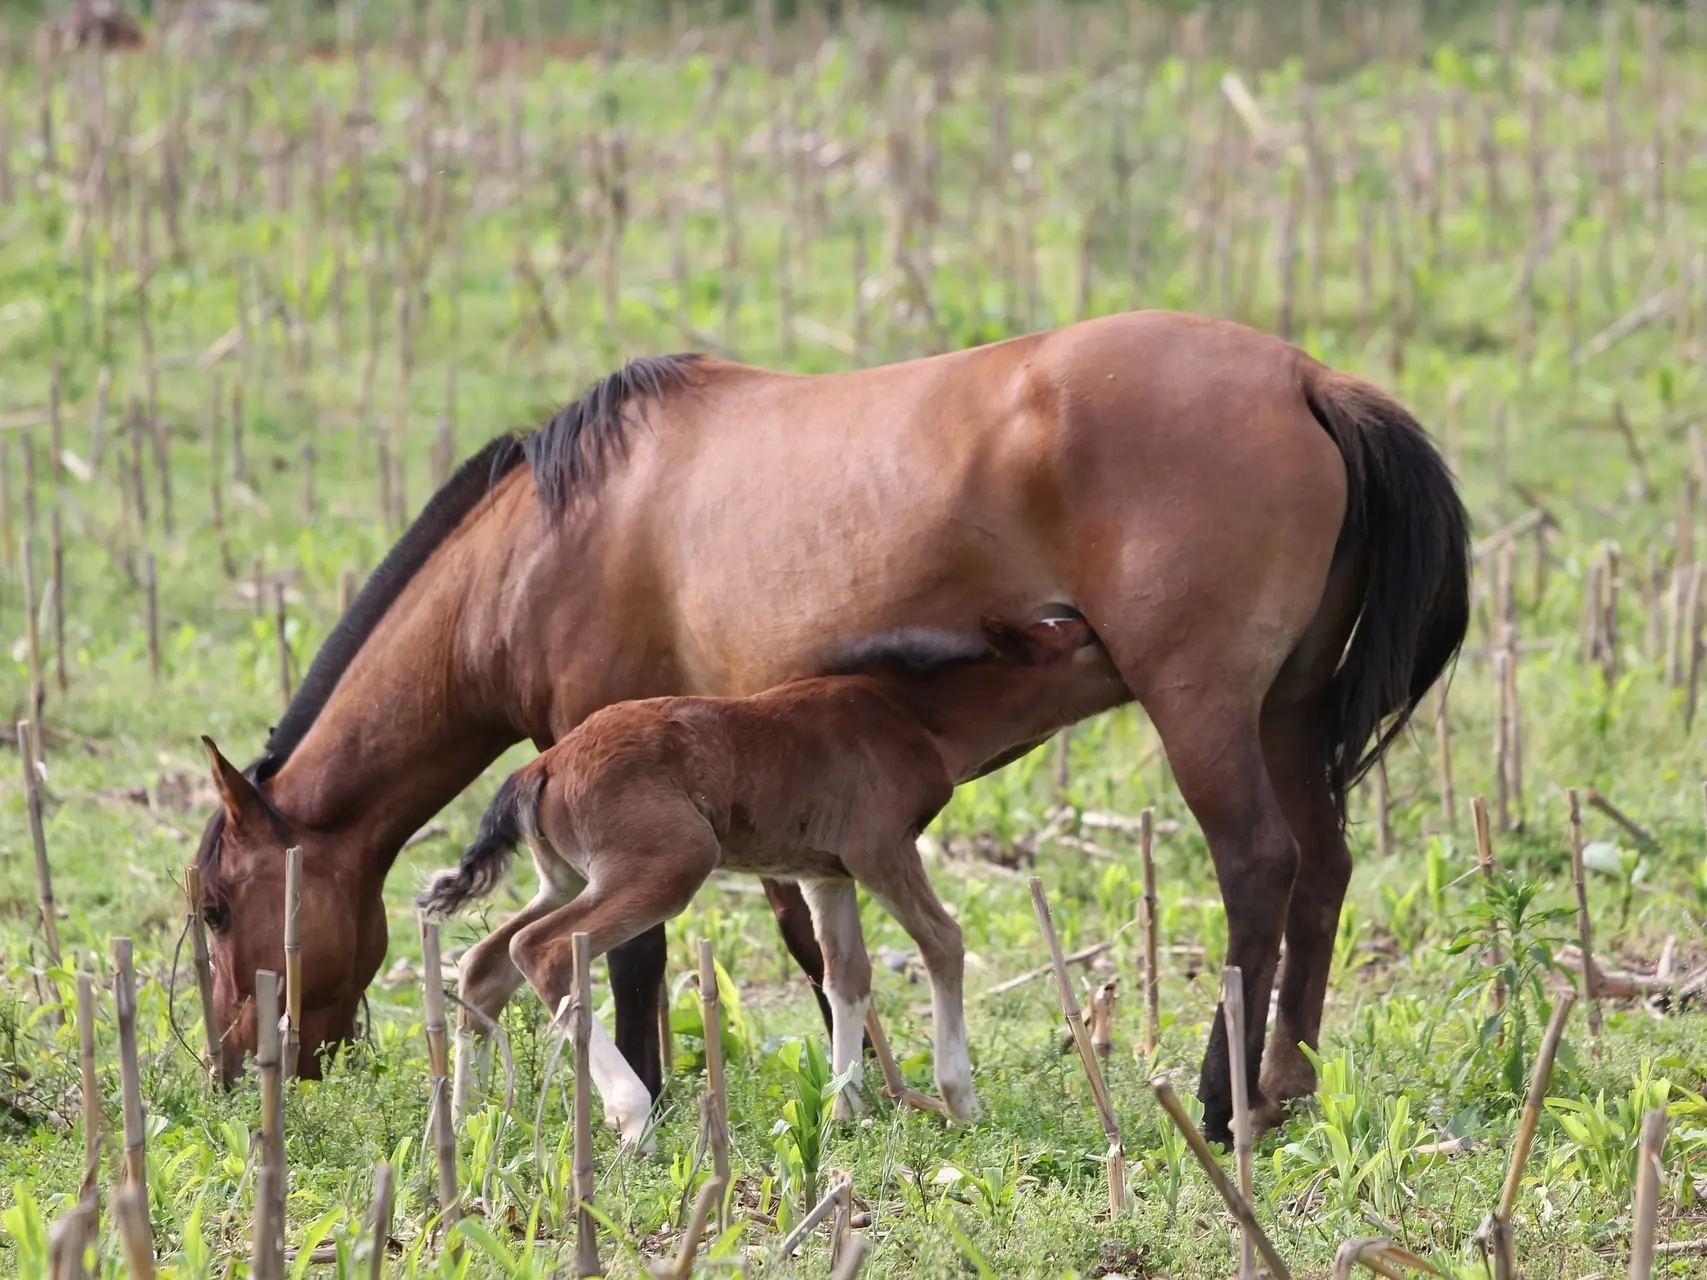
{"points": [[1404, 511], [511, 817]]}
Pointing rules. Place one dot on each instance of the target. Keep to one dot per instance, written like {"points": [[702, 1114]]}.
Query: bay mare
{"points": [[1273, 553]]}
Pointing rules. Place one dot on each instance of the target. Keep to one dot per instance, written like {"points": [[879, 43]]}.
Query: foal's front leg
{"points": [[847, 981]]}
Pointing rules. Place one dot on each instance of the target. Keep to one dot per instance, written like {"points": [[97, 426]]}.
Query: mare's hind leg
{"points": [[799, 935], [1292, 745], [847, 981], [1215, 750]]}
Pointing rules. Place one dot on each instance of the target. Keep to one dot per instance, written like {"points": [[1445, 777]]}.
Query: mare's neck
{"points": [[411, 723]]}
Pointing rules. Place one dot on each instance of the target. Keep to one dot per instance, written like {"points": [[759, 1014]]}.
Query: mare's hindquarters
{"points": [[1228, 544]]}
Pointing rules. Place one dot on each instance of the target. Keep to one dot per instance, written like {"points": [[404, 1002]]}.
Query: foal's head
{"points": [[991, 697], [241, 865]]}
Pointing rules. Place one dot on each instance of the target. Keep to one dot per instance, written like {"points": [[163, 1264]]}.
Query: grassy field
{"points": [[274, 289]]}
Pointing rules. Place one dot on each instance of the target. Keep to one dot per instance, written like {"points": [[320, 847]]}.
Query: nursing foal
{"points": [[826, 780]]}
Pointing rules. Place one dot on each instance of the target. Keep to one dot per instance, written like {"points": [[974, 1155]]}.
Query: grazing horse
{"points": [[1273, 553], [825, 781]]}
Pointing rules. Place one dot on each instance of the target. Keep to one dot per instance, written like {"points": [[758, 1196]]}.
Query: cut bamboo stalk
{"points": [[852, 1259], [666, 1037], [1443, 746], [1147, 915], [1235, 1202], [586, 1226], [1502, 742], [1118, 1197], [293, 963], [32, 628], [130, 1073], [1499, 1225], [1645, 1210], [709, 1196], [1233, 1012], [151, 614], [381, 1220], [438, 1058], [130, 1211], [29, 751], [269, 1208], [1513, 712], [1692, 641], [93, 1120], [204, 970], [66, 1244], [1591, 980], [57, 584], [894, 1086], [815, 1215], [279, 621], [267, 1227], [1485, 861], [715, 1107], [1102, 1019]]}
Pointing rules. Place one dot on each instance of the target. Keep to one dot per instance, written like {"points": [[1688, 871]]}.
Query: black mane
{"points": [[908, 651], [565, 456], [568, 451]]}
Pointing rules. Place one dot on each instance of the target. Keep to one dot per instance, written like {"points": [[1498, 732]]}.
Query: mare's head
{"points": [[993, 696], [241, 864]]}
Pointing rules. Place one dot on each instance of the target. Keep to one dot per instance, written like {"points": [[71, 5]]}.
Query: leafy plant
{"points": [[1508, 939], [809, 1093]]}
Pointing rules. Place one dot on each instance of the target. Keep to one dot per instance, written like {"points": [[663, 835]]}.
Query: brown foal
{"points": [[1272, 551], [826, 781]]}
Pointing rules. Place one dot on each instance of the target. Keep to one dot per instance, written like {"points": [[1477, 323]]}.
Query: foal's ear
{"points": [[236, 793], [1056, 638], [1007, 642]]}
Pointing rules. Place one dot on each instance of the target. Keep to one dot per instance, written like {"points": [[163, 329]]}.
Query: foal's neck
{"points": [[976, 711]]}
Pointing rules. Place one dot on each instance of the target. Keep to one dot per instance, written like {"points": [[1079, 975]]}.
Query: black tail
{"points": [[508, 819], [1403, 510]]}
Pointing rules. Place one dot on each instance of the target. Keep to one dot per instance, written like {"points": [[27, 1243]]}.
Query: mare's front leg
{"points": [[898, 881], [637, 984], [847, 981]]}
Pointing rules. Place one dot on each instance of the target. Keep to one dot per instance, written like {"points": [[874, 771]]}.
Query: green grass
{"points": [[1410, 1052]]}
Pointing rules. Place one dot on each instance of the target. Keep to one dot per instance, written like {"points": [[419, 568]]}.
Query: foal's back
{"points": [[786, 779]]}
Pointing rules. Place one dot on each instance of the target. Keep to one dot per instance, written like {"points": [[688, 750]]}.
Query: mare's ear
{"points": [[242, 803]]}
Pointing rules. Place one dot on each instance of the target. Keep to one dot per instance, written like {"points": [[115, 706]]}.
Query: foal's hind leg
{"points": [[899, 883], [641, 878], [1292, 745], [487, 978]]}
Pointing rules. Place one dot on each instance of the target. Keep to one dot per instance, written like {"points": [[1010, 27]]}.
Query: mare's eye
{"points": [[215, 918]]}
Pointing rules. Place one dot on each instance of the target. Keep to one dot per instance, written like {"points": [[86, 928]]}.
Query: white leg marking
{"points": [[847, 982], [627, 1104], [847, 1023]]}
